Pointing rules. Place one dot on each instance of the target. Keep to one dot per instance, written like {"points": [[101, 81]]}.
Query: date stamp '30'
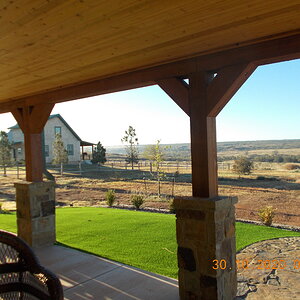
{"points": [[260, 264]]}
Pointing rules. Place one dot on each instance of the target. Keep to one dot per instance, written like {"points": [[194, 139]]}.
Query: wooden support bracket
{"points": [[207, 97], [178, 90], [225, 85]]}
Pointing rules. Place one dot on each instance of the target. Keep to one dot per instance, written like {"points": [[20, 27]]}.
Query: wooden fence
{"points": [[17, 170]]}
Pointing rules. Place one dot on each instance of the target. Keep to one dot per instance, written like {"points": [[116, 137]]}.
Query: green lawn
{"points": [[141, 239]]}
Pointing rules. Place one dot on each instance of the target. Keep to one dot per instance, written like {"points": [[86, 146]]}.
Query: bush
{"points": [[137, 200], [291, 167], [242, 166], [3, 211], [266, 215], [110, 197]]}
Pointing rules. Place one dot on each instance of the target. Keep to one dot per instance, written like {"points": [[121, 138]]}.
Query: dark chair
{"points": [[21, 275]]}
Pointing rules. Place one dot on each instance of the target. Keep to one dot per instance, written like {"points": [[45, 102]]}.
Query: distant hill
{"points": [[182, 151]]}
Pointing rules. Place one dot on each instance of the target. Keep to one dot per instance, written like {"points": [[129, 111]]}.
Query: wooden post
{"points": [[32, 120], [203, 139]]}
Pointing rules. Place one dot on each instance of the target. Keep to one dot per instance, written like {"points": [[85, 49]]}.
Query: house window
{"points": [[57, 130], [19, 150], [70, 149], [46, 150]]}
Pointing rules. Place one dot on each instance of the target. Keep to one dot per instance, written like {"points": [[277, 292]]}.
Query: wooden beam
{"points": [[270, 51], [225, 85], [261, 53], [177, 90], [203, 139], [32, 120]]}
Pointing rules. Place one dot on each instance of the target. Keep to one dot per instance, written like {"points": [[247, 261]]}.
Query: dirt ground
{"points": [[280, 189]]}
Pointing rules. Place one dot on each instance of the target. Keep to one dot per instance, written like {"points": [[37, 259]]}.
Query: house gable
{"points": [[55, 123]]}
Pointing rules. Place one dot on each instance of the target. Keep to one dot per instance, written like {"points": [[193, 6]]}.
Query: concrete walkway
{"points": [[86, 276]]}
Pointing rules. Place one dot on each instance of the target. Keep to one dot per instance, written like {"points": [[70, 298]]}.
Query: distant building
{"points": [[55, 124]]}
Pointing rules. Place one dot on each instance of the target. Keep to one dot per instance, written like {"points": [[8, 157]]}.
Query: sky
{"points": [[266, 107]]}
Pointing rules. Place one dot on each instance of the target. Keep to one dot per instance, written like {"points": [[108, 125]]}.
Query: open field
{"points": [[141, 239], [269, 184]]}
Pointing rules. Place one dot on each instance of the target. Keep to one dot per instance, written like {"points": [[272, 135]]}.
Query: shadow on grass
{"points": [[5, 212]]}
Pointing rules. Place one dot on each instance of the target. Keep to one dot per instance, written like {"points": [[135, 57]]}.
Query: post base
{"points": [[205, 230], [36, 212]]}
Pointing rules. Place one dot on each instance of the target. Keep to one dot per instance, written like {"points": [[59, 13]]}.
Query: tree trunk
{"points": [[4, 170], [158, 179], [61, 169]]}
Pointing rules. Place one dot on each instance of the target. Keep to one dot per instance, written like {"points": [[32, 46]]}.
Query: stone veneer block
{"points": [[205, 230], [36, 212]]}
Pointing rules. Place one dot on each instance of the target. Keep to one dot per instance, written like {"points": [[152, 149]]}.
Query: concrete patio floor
{"points": [[86, 276]]}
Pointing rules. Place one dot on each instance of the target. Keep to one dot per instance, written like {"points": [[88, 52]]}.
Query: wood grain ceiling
{"points": [[47, 45]]}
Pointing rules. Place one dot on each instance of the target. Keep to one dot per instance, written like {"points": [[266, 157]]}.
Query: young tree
{"points": [[5, 147], [99, 154], [132, 154], [156, 153], [243, 166], [60, 154]]}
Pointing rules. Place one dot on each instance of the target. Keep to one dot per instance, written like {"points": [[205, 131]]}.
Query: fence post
{"points": [[80, 169], [173, 186], [151, 167], [145, 184], [18, 171]]}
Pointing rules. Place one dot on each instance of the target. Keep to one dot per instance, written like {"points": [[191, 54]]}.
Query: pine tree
{"points": [[5, 147], [60, 154], [99, 155], [132, 154]]}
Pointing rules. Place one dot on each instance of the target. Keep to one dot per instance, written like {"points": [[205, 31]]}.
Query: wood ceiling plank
{"points": [[101, 46], [62, 43]]}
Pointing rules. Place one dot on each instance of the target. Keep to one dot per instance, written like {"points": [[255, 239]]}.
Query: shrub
{"points": [[291, 167], [242, 166], [176, 174], [266, 215], [3, 211], [110, 197], [137, 200]]}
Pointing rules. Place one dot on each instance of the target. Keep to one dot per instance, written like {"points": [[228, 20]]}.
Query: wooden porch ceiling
{"points": [[49, 47]]}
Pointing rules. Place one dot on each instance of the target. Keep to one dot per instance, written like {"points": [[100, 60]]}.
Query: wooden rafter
{"points": [[178, 90]]}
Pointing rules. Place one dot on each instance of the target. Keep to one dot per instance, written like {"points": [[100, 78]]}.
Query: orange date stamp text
{"points": [[260, 264]]}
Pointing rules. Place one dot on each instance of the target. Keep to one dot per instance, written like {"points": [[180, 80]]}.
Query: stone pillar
{"points": [[36, 212], [205, 231]]}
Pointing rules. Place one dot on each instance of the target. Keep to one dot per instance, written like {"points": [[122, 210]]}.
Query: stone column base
{"points": [[36, 212], [205, 230]]}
